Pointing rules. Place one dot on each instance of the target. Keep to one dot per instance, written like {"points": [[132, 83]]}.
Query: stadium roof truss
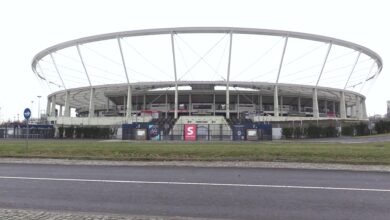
{"points": [[267, 60]]}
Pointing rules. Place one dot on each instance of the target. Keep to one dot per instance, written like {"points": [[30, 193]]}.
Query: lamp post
{"points": [[32, 106], [39, 107]]}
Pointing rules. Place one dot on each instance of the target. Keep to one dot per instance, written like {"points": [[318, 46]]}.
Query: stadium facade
{"points": [[315, 93]]}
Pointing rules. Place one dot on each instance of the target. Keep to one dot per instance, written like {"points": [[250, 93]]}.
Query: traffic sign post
{"points": [[27, 115]]}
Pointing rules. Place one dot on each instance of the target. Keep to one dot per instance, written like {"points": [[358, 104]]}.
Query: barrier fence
{"points": [[34, 132], [198, 132]]}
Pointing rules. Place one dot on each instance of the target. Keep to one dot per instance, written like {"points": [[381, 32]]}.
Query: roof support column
{"points": [[67, 108], [354, 111], [129, 104], [316, 113], [326, 106], [129, 100], [166, 105], [214, 103], [343, 113], [144, 104], [276, 101], [58, 72], [176, 115], [238, 105], [364, 111], [53, 106], [91, 112], [315, 104], [189, 104], [60, 111], [324, 63], [48, 106], [334, 108], [359, 108], [276, 104], [281, 105], [260, 102], [353, 69], [228, 77], [175, 72], [299, 104]]}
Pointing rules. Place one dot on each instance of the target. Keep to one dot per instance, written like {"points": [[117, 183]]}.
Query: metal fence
{"points": [[198, 132], [33, 132]]}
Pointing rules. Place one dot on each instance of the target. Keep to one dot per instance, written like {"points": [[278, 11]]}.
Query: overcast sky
{"points": [[28, 27]]}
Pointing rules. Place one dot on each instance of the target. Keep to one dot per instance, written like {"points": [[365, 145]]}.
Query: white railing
{"points": [[98, 120], [294, 118]]}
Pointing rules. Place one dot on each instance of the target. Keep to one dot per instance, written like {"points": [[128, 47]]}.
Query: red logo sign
{"points": [[190, 132]]}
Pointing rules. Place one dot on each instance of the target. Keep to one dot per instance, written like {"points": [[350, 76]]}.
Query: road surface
{"points": [[227, 193]]}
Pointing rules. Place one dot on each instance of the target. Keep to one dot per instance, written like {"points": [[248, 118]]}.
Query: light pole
{"points": [[32, 105], [39, 107]]}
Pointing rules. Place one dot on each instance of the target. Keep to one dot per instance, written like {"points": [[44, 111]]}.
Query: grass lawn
{"points": [[372, 153]]}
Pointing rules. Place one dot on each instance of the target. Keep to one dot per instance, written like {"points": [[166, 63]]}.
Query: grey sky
{"points": [[31, 26]]}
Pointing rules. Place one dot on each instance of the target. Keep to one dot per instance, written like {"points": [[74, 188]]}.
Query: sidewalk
{"points": [[238, 164], [27, 214]]}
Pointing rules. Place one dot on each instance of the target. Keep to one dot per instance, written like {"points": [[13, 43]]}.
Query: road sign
{"points": [[27, 113]]}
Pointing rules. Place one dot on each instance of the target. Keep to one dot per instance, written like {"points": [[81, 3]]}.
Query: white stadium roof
{"points": [[219, 54]]}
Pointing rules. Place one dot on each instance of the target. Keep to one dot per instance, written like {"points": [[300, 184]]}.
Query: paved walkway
{"points": [[249, 164], [25, 214], [348, 139]]}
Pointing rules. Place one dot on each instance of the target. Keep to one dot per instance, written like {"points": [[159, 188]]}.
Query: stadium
{"points": [[205, 83]]}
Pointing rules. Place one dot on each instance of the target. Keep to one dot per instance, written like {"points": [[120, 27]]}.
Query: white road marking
{"points": [[196, 184]]}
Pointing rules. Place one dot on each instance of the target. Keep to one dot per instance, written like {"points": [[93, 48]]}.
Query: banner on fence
{"points": [[190, 132], [154, 132]]}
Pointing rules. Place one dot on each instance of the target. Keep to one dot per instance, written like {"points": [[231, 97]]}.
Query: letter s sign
{"points": [[190, 132]]}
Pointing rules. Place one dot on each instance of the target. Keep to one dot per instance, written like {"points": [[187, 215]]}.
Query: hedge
{"points": [[85, 132], [314, 131], [382, 127]]}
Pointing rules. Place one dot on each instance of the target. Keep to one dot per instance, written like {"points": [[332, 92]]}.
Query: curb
{"points": [[218, 164], [38, 214]]}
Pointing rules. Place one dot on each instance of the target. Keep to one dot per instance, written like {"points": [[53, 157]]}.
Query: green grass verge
{"points": [[372, 153]]}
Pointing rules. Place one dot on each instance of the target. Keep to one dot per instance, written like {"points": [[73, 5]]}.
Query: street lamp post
{"points": [[39, 107], [32, 105]]}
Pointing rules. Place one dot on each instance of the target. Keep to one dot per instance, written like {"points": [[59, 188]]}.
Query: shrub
{"points": [[79, 132], [330, 131], [69, 131], [348, 130], [287, 132], [61, 132], [362, 129], [382, 127], [298, 132], [313, 131]]}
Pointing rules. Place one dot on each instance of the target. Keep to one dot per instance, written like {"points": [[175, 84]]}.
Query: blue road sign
{"points": [[27, 113]]}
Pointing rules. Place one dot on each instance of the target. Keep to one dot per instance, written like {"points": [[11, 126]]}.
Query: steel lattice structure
{"points": [[278, 92]]}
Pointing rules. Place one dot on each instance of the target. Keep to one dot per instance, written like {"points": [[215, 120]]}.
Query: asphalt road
{"points": [[228, 193]]}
